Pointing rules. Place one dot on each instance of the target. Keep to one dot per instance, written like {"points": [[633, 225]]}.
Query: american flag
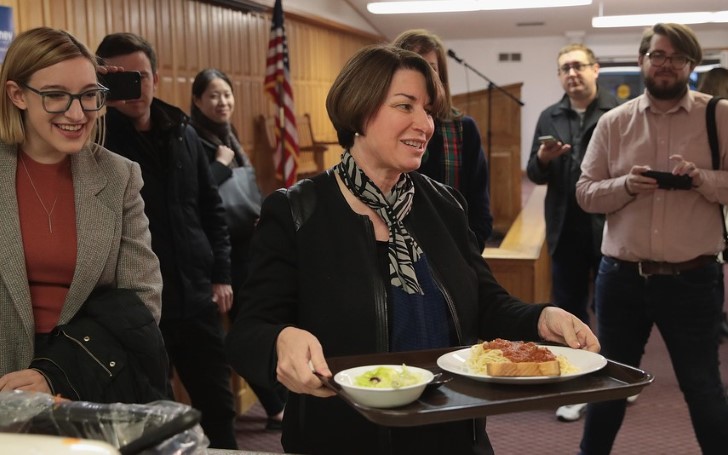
{"points": [[278, 86]]}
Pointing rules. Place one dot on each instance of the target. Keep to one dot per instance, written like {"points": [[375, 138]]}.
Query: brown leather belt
{"points": [[647, 268]]}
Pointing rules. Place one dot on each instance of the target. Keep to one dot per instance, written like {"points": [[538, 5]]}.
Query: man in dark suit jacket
{"points": [[574, 237]]}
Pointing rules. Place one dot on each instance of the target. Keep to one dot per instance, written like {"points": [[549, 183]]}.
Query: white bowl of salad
{"points": [[383, 386]]}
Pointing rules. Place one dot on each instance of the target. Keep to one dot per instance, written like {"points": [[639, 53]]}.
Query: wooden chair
{"points": [[311, 152], [311, 157]]}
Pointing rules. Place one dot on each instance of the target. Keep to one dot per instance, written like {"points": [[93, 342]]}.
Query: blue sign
{"points": [[6, 30]]}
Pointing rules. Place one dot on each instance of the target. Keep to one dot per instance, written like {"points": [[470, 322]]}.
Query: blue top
{"points": [[419, 321]]}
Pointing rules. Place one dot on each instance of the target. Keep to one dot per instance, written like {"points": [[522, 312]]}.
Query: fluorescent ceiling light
{"points": [[642, 20], [450, 6]]}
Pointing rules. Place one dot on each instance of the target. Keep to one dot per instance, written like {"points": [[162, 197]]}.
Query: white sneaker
{"points": [[632, 399], [570, 412]]}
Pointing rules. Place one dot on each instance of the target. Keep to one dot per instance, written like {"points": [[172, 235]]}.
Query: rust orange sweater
{"points": [[49, 235]]}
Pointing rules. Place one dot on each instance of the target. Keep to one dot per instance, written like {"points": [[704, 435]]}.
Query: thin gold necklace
{"points": [[48, 212]]}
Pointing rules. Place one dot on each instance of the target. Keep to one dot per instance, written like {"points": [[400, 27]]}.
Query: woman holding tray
{"points": [[370, 257]]}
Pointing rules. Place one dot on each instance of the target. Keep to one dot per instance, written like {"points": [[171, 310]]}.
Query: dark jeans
{"points": [[574, 266], [195, 348], [272, 397], [685, 309]]}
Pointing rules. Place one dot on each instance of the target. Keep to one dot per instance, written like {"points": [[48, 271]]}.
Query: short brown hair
{"points": [[362, 85], [577, 47], [423, 42], [681, 37], [117, 44], [32, 51]]}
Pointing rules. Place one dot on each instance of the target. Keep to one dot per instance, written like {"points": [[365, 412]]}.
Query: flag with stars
{"points": [[277, 84]]}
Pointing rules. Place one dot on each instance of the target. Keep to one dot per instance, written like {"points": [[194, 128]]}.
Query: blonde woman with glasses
{"points": [[75, 243]]}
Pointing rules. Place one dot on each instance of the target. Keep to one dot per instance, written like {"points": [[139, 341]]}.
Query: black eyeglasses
{"points": [[659, 58], [576, 66], [58, 101]]}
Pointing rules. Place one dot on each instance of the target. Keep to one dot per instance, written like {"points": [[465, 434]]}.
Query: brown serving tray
{"points": [[465, 398]]}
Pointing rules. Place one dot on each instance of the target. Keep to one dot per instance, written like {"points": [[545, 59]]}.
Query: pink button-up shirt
{"points": [[666, 225]]}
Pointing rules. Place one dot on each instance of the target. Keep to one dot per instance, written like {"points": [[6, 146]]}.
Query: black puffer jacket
{"points": [[186, 216], [111, 351]]}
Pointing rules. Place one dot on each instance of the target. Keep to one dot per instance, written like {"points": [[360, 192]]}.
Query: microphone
{"points": [[451, 53]]}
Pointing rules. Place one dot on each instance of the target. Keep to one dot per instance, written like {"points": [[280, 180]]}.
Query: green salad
{"points": [[387, 378]]}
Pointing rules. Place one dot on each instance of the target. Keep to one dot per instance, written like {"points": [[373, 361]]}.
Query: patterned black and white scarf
{"points": [[403, 250]]}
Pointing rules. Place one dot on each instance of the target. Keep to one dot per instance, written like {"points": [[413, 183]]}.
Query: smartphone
{"points": [[125, 85], [669, 181], [547, 139]]}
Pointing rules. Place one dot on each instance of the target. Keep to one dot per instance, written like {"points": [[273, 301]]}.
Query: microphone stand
{"points": [[491, 86]]}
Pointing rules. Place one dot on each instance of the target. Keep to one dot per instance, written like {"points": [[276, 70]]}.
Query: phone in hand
{"points": [[670, 181], [124, 85], [547, 139]]}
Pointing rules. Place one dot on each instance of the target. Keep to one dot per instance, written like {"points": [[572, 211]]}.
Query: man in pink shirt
{"points": [[660, 245]]}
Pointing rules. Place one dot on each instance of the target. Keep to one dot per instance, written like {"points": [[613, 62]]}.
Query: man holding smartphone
{"points": [[660, 246], [560, 140], [189, 233]]}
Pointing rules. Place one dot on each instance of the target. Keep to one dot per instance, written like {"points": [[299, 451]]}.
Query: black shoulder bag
{"points": [[715, 154]]}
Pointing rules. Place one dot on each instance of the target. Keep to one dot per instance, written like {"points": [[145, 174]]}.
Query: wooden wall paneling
{"points": [[79, 13], [230, 43], [505, 158], [148, 24], [203, 35], [309, 55], [30, 14], [116, 17], [183, 90], [60, 15], [320, 81], [77, 18], [96, 26], [253, 104], [182, 31], [132, 22], [151, 14], [258, 45], [172, 52], [164, 88], [245, 116], [240, 62], [219, 37], [166, 33], [254, 49], [235, 43]]}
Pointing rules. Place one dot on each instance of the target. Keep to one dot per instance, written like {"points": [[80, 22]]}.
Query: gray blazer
{"points": [[114, 246]]}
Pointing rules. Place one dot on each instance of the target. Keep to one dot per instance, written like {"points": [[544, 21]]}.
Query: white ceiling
{"points": [[532, 22]]}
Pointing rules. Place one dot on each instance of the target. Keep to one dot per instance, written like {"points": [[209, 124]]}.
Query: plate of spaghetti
{"points": [[474, 362]]}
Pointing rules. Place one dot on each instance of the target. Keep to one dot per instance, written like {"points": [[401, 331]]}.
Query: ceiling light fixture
{"points": [[642, 20], [452, 6]]}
